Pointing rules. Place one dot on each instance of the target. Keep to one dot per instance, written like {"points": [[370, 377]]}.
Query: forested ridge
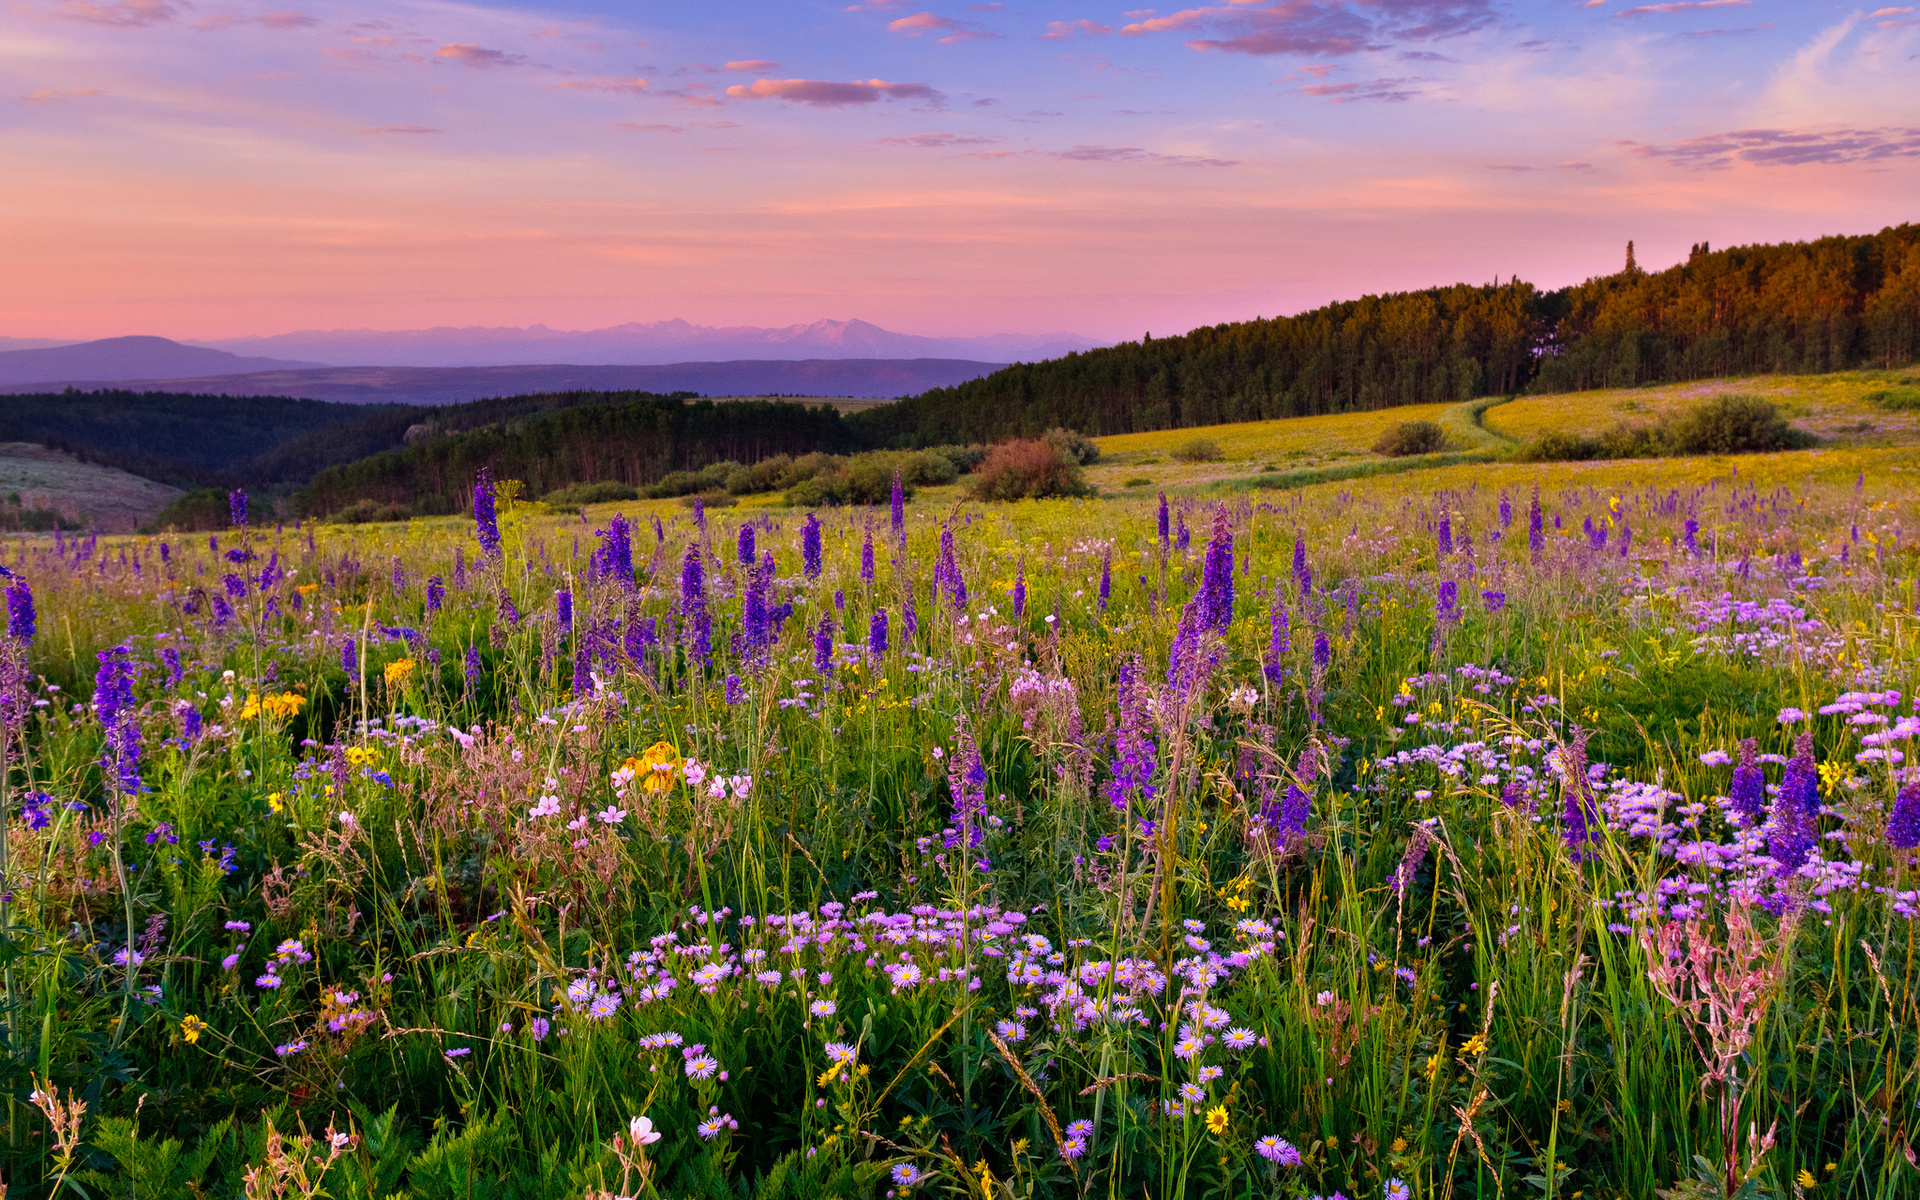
{"points": [[631, 438], [1825, 305]]}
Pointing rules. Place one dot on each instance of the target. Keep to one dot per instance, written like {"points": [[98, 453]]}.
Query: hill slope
{"points": [[112, 360]]}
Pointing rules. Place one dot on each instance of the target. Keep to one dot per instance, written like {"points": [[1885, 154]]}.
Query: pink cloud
{"points": [[1647, 10], [1784, 148], [938, 141], [288, 20], [631, 87], [401, 129], [823, 93], [471, 55], [45, 95], [1321, 26], [1134, 154], [1061, 30], [753, 64], [1391, 90], [127, 13], [926, 22]]}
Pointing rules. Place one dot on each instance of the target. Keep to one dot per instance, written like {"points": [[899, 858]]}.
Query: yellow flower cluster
{"points": [[278, 706], [656, 768], [399, 671]]}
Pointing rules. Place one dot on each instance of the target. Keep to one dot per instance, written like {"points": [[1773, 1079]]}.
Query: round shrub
{"points": [[1734, 425], [1198, 450], [1075, 445], [1411, 437], [1027, 470]]}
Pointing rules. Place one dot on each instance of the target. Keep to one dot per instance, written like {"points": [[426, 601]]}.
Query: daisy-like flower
{"points": [[291, 1048], [1238, 1038], [1012, 1031], [1209, 1074], [1079, 1129], [580, 991], [819, 1008], [1188, 1047], [841, 1054], [710, 1128], [1072, 1148], [1277, 1150], [1217, 1121], [906, 1175], [603, 1006], [1397, 1189], [660, 1041], [1193, 1093], [701, 1066]]}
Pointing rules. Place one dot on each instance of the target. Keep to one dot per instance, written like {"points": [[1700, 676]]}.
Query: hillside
{"points": [[85, 495], [111, 360], [1833, 304]]}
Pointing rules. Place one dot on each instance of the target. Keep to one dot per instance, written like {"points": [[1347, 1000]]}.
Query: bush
{"points": [[1734, 425], [1198, 450], [1411, 437], [686, 483], [582, 494], [199, 510], [711, 498], [963, 458], [366, 511], [863, 479], [1904, 399], [1077, 446], [1028, 470], [1138, 481], [763, 476]]}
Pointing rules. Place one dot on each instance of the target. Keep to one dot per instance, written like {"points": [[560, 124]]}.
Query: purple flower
{"points": [[1322, 651], [756, 630], [436, 593], [1506, 511], [1278, 642], [1216, 578], [909, 618], [349, 658], [746, 550], [1133, 746], [1163, 522], [823, 646], [1749, 790], [1446, 604], [967, 777], [113, 698], [473, 666], [810, 546], [20, 614], [877, 633], [1536, 528], [1796, 809], [1020, 589], [1106, 578], [734, 692], [614, 557], [1275, 1150], [1302, 573], [1691, 536], [866, 557], [898, 508], [1903, 824], [1576, 809], [1445, 535], [237, 506], [1495, 601], [563, 609], [485, 526], [947, 570]]}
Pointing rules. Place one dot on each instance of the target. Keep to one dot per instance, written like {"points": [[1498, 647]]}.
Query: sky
{"points": [[217, 168]]}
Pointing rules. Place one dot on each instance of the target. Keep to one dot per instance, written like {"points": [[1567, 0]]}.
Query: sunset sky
{"points": [[216, 168]]}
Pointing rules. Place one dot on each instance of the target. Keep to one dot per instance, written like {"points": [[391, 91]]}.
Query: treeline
{"points": [[180, 439], [635, 442], [1809, 306]]}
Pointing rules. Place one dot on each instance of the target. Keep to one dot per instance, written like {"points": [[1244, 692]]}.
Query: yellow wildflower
{"points": [[399, 671], [656, 768], [1477, 1044], [274, 804], [360, 756], [190, 1027], [1805, 1178], [1399, 1146], [1217, 1119]]}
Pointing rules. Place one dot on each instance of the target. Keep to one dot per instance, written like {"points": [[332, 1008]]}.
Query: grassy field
{"points": [[1483, 830], [1832, 407], [101, 497]]}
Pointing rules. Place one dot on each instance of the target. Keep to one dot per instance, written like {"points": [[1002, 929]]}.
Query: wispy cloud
{"points": [[1680, 6], [1321, 27], [953, 31], [939, 141], [470, 54], [1786, 148], [125, 14], [631, 87], [1390, 90], [48, 95], [401, 129], [823, 93], [752, 64], [1134, 154], [1059, 31]]}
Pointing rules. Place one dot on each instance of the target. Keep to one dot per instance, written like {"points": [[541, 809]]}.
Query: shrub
{"points": [[763, 476], [1198, 450], [1138, 481], [581, 494], [1027, 470], [1900, 399], [1075, 445], [1411, 437], [201, 509], [963, 458], [686, 483], [365, 511], [1734, 425]]}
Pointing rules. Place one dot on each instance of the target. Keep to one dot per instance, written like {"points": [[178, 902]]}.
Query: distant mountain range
{"points": [[853, 377], [114, 359], [635, 344]]}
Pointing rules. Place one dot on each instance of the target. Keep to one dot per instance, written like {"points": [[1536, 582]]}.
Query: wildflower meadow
{"points": [[1541, 835]]}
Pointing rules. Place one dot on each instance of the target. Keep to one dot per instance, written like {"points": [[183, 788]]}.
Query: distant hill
{"points": [[112, 360], [637, 344], [1801, 307], [854, 377], [84, 494]]}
